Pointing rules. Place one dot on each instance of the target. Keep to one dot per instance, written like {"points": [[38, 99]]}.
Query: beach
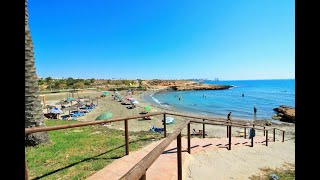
{"points": [[108, 104], [239, 163]]}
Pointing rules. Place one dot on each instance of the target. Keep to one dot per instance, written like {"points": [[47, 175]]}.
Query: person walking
{"points": [[229, 116]]}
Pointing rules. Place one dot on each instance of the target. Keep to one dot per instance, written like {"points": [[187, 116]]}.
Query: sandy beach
{"points": [[108, 104], [239, 163]]}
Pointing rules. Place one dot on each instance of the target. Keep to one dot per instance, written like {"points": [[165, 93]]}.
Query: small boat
{"points": [[169, 120]]}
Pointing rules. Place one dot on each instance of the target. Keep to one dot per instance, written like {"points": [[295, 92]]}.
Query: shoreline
{"points": [[184, 111], [108, 104]]}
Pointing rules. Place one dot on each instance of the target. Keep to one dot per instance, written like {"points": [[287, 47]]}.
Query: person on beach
{"points": [[229, 116], [252, 132], [254, 113]]}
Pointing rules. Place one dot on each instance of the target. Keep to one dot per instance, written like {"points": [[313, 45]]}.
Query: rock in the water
{"points": [[268, 123], [286, 113]]}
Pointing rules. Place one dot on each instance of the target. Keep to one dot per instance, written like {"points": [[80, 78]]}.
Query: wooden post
{"points": [[203, 130], [274, 134], [179, 156], [126, 136], [44, 101], [164, 126], [282, 136], [189, 143], [25, 170], [227, 130], [264, 131], [267, 138], [143, 177], [245, 133], [252, 139], [229, 137]]}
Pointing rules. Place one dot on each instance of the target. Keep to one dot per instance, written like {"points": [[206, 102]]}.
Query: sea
{"points": [[240, 100]]}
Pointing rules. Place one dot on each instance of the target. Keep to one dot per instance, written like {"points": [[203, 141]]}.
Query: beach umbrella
{"points": [[56, 110], [134, 102], [147, 108], [104, 116]]}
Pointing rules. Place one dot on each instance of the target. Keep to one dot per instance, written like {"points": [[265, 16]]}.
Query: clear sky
{"points": [[164, 39]]}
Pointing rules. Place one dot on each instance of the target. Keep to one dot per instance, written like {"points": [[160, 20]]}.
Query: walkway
{"points": [[165, 167]]}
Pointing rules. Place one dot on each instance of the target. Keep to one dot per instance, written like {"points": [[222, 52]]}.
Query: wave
{"points": [[233, 86], [156, 100]]}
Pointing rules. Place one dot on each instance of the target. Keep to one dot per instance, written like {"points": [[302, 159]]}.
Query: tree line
{"points": [[49, 83]]}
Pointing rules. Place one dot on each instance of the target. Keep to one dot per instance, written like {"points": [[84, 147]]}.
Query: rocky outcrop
{"points": [[182, 85], [286, 114]]}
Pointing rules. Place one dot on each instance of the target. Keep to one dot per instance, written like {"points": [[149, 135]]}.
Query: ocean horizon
{"points": [[265, 95]]}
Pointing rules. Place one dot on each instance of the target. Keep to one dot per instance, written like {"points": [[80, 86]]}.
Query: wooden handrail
{"points": [[51, 128], [205, 118], [225, 124], [137, 171], [42, 129]]}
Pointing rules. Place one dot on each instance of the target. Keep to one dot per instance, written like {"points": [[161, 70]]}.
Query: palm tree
{"points": [[33, 109]]}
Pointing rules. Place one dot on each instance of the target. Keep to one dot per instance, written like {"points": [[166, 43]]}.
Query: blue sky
{"points": [[164, 39]]}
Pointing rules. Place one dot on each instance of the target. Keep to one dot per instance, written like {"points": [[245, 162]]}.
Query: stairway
{"points": [[165, 167]]}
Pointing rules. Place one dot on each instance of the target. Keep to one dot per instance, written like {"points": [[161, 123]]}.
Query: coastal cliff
{"points": [[286, 114], [182, 85]]}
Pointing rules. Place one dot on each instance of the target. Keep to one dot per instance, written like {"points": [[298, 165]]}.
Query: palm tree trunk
{"points": [[33, 110]]}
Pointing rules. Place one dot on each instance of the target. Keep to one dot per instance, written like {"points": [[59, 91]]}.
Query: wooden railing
{"points": [[139, 170], [59, 127], [274, 134]]}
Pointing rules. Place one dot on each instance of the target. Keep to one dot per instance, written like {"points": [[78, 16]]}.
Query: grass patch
{"points": [[287, 172], [77, 153]]}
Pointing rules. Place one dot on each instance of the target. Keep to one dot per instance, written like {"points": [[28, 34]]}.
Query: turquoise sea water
{"points": [[264, 94]]}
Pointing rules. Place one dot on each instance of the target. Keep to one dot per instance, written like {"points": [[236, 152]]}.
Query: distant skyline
{"points": [[229, 40]]}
